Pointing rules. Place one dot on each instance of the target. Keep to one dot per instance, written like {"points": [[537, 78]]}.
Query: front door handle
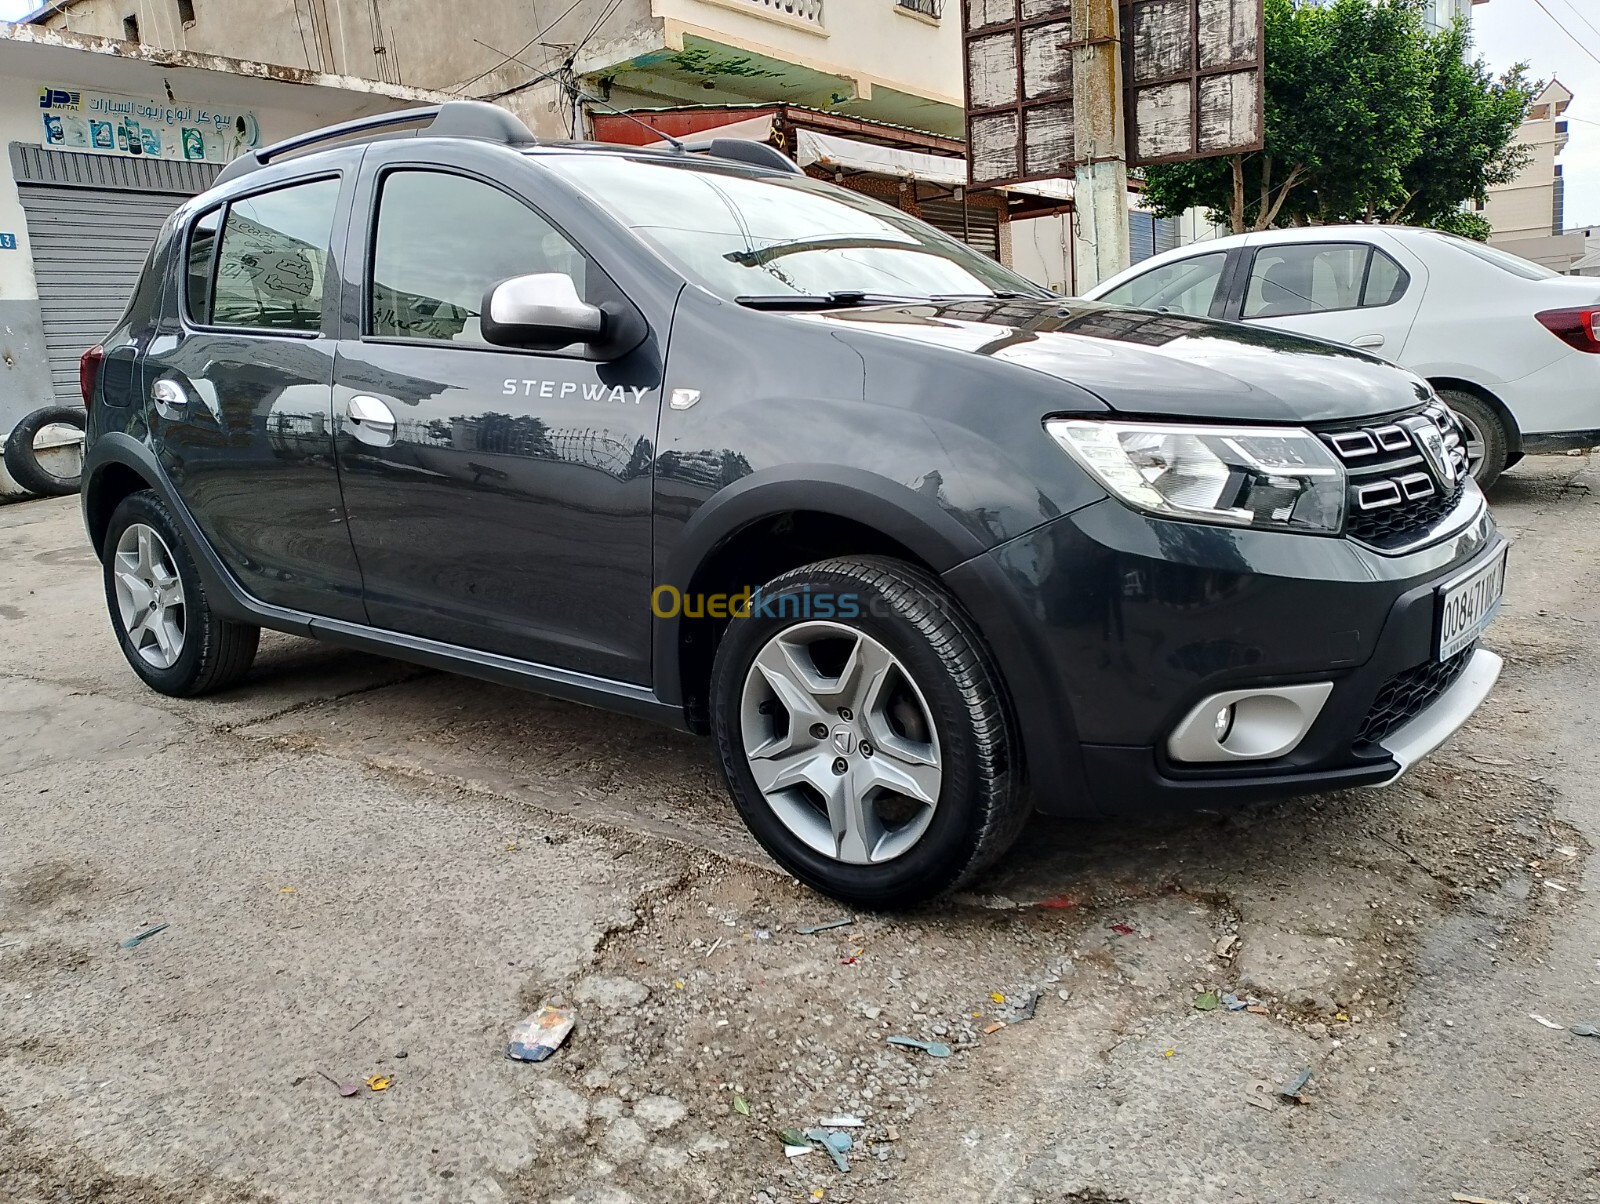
{"points": [[1367, 340], [370, 420]]}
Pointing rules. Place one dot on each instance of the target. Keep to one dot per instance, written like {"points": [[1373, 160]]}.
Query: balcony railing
{"points": [[928, 8], [801, 10]]}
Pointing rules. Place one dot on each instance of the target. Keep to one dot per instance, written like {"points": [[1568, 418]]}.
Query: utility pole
{"points": [[1100, 187]]}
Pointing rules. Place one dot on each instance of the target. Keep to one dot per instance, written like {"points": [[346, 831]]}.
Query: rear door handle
{"points": [[370, 420], [1367, 340]]}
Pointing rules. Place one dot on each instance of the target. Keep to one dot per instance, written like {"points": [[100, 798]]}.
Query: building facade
{"points": [[1527, 215], [893, 61], [888, 64], [102, 140]]}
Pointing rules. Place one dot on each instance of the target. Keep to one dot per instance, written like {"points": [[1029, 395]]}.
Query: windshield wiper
{"points": [[838, 299]]}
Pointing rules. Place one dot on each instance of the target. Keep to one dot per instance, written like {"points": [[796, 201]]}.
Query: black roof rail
{"points": [[745, 151], [453, 119]]}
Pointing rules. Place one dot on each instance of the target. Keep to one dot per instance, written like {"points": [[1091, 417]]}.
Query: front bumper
{"points": [[1109, 626]]}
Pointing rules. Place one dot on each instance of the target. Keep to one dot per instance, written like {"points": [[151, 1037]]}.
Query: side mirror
{"points": [[542, 312]]}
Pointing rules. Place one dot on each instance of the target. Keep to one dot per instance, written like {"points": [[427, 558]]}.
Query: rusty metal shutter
{"points": [[980, 229], [91, 221]]}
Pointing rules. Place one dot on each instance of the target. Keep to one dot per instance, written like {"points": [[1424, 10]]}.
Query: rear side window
{"points": [[202, 261], [1315, 278], [442, 242], [1184, 287], [271, 261]]}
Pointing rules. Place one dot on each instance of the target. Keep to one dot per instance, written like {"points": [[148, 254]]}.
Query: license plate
{"points": [[1468, 604]]}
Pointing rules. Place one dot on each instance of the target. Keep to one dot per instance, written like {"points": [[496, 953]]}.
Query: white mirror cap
{"points": [[544, 299]]}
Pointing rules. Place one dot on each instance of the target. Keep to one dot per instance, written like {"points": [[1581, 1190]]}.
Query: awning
{"points": [[835, 152]]}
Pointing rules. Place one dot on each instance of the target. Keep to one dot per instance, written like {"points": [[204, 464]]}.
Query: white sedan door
{"points": [[1353, 291]]}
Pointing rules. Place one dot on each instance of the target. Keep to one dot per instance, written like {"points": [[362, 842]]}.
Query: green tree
{"points": [[1368, 116]]}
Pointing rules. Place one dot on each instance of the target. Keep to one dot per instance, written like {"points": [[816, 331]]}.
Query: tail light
{"points": [[89, 372], [1578, 328]]}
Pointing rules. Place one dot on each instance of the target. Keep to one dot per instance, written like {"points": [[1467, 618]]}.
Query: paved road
{"points": [[358, 859]]}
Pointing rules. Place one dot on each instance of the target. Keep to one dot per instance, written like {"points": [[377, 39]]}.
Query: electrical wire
{"points": [[523, 49], [304, 46], [1570, 35], [1577, 12]]}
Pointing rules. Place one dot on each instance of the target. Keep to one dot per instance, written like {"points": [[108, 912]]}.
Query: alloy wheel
{"points": [[149, 595], [841, 742]]}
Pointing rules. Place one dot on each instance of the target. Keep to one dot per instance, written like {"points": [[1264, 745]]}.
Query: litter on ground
{"points": [[541, 1034]]}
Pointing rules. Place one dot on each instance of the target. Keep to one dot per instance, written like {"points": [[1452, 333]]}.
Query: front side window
{"points": [[273, 260], [743, 233], [1184, 287], [442, 242]]}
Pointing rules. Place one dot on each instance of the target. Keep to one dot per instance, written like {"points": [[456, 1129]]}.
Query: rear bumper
{"points": [[1110, 627]]}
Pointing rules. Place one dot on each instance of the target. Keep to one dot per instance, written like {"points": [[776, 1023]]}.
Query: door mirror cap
{"points": [[542, 312]]}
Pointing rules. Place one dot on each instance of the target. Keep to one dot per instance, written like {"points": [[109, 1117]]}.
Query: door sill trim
{"points": [[567, 684]]}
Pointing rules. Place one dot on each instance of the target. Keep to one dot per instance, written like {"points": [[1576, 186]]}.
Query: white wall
{"points": [[1041, 250]]}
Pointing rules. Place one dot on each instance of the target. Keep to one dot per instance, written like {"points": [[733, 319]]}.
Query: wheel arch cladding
{"points": [[749, 535], [103, 493]]}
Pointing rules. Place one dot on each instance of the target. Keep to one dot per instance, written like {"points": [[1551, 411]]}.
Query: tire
{"points": [[1483, 426], [22, 461], [939, 716], [181, 647]]}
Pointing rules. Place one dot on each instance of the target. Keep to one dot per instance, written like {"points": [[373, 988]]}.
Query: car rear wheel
{"points": [[166, 627], [1487, 441], [864, 733]]}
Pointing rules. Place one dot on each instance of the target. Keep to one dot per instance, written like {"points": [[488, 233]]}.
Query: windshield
{"points": [[743, 234], [1504, 260]]}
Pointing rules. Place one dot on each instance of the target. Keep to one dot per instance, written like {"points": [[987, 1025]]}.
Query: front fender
{"points": [[915, 521]]}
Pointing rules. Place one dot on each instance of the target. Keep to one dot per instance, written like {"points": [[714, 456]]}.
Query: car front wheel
{"points": [[1487, 441], [167, 629], [864, 733]]}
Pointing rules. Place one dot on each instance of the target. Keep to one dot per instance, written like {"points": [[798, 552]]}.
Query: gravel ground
{"points": [[371, 873]]}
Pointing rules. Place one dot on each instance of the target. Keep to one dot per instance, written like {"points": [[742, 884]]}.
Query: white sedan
{"points": [[1510, 346]]}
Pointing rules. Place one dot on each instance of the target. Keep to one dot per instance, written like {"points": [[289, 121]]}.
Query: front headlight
{"points": [[1247, 476]]}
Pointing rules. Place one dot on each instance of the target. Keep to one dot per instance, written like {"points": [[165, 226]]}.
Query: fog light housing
{"points": [[1224, 723], [1248, 725]]}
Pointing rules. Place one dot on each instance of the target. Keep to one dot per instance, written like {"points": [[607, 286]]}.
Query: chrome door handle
{"points": [[1367, 340], [370, 413]]}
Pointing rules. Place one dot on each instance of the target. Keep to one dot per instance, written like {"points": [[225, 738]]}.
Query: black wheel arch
{"points": [[771, 522], [115, 465]]}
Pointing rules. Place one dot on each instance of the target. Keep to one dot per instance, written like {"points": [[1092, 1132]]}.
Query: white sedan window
{"points": [[1184, 287], [1305, 278]]}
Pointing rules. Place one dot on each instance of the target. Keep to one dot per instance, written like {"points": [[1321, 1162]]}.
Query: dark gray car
{"points": [[723, 446]]}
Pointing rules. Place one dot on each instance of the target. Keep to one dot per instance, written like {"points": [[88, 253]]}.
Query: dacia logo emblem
{"points": [[1430, 441]]}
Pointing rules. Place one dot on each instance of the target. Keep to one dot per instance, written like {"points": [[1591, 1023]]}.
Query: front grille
{"points": [[1397, 491], [1407, 694]]}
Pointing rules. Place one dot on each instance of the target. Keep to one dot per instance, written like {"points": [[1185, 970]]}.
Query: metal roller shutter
{"points": [[89, 243], [980, 229]]}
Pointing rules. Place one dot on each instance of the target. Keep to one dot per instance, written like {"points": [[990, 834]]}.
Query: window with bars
{"points": [[927, 8]]}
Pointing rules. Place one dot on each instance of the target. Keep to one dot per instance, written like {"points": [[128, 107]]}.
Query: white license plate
{"points": [[1466, 606]]}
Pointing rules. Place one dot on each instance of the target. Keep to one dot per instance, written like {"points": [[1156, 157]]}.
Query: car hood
{"points": [[1156, 364]]}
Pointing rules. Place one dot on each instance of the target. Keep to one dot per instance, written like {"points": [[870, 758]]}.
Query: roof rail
{"points": [[745, 151], [453, 119]]}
